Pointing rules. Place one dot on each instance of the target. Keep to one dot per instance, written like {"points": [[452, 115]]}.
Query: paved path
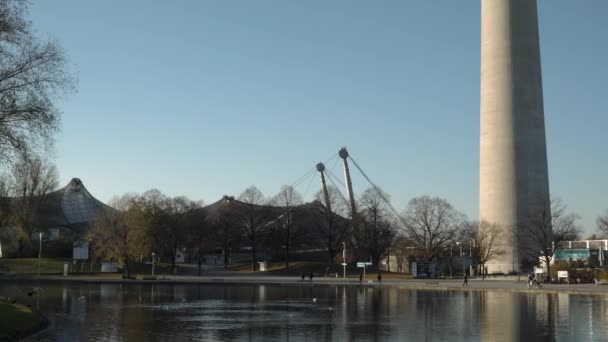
{"points": [[259, 278]]}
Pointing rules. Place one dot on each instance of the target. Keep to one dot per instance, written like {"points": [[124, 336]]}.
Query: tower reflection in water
{"points": [[313, 312]]}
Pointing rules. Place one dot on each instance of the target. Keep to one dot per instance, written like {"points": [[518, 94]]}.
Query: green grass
{"points": [[55, 266], [30, 265], [17, 321]]}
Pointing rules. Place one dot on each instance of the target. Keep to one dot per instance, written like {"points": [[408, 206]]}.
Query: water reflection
{"points": [[106, 312]]}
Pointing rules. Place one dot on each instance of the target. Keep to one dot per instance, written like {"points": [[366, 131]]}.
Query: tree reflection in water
{"points": [[222, 312]]}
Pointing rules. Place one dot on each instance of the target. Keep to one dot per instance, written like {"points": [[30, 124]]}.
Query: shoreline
{"points": [[414, 284], [39, 323]]}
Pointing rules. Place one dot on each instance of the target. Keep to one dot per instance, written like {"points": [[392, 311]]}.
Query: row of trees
{"points": [[137, 225], [140, 224], [426, 228], [152, 221]]}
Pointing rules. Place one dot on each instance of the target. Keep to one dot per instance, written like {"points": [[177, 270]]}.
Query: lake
{"points": [[218, 312]]}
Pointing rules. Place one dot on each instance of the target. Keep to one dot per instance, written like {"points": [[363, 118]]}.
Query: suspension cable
{"points": [[379, 191]]}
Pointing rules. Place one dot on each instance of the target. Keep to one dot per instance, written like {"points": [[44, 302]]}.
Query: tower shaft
{"points": [[513, 155]]}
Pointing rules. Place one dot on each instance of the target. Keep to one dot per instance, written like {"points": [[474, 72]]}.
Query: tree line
{"points": [[425, 230], [154, 222]]}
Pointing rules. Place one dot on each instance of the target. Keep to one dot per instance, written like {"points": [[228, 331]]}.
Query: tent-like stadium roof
{"points": [[71, 207]]}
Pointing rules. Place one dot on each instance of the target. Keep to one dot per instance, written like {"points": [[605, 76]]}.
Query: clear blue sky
{"points": [[204, 98]]}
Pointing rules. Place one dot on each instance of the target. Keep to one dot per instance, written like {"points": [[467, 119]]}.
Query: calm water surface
{"points": [[114, 312]]}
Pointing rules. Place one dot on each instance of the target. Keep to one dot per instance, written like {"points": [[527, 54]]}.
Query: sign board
{"points": [[361, 264], [572, 254], [81, 250], [424, 270], [344, 264], [538, 270], [562, 274], [109, 267]]}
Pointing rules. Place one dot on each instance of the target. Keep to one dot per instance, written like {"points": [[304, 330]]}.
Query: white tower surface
{"points": [[513, 155]]}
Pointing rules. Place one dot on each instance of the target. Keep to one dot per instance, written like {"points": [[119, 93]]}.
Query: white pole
{"points": [[39, 251], [344, 258], [451, 261], [461, 259], [471, 248]]}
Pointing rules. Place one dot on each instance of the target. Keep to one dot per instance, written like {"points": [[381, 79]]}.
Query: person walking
{"points": [[380, 278], [310, 277], [302, 275], [465, 283], [361, 278]]}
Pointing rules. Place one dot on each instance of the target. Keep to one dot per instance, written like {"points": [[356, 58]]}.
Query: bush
{"points": [[601, 275]]}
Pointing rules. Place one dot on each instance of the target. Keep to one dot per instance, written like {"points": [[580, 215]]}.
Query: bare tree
{"points": [[177, 213], [32, 179], [602, 225], [253, 218], [224, 225], [487, 243], [120, 235], [154, 205], [33, 77], [198, 234], [4, 208], [545, 226], [403, 250], [375, 231], [431, 224], [288, 199], [334, 228], [169, 220]]}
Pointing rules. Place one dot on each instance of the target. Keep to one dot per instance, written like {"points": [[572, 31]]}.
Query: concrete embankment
{"points": [[511, 285]]}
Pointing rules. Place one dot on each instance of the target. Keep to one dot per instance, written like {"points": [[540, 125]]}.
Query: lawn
{"points": [[30, 265], [18, 321], [55, 266]]}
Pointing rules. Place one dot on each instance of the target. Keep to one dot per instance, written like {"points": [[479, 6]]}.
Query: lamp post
{"points": [[284, 247], [450, 260], [471, 248], [153, 262], [461, 259], [471, 243], [344, 258], [39, 251]]}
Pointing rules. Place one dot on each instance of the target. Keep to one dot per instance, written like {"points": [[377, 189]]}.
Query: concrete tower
{"points": [[513, 154]]}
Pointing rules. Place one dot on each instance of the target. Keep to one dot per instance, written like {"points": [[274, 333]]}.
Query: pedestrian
{"points": [[380, 278], [360, 277], [310, 277], [327, 271], [302, 275], [466, 281]]}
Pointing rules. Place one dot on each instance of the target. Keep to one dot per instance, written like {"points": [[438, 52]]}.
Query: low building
{"points": [[593, 252]]}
